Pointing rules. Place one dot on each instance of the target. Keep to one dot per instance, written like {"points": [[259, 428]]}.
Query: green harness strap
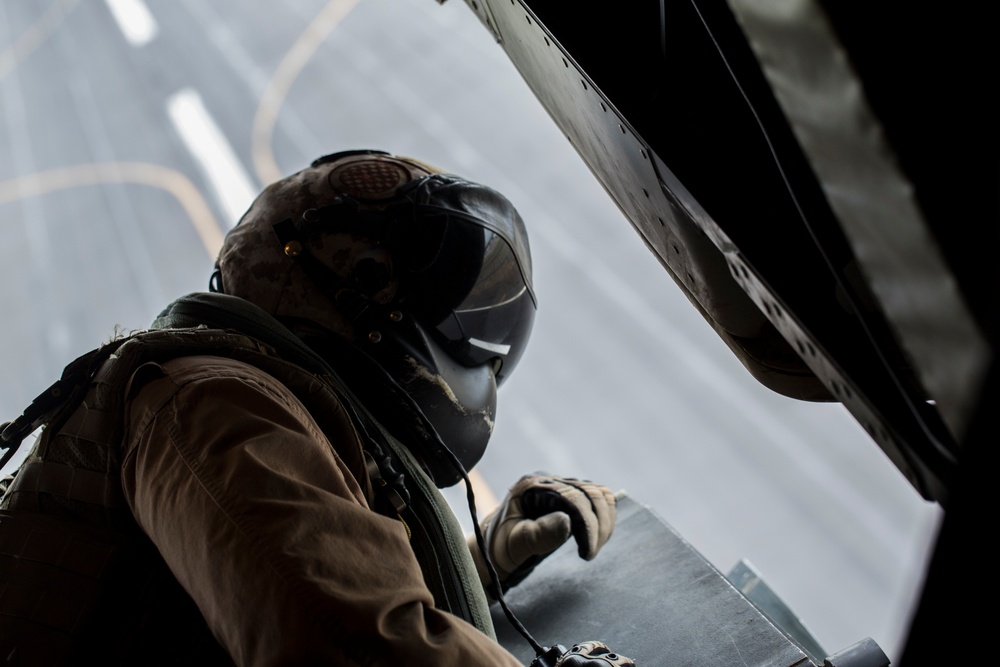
{"points": [[452, 561]]}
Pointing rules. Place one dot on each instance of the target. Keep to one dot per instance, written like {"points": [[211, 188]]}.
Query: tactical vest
{"points": [[78, 578]]}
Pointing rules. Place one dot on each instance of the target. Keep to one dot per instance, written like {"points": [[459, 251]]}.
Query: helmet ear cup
{"points": [[372, 273], [370, 280]]}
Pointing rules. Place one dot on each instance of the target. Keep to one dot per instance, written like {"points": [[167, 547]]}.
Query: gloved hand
{"points": [[537, 516], [592, 654]]}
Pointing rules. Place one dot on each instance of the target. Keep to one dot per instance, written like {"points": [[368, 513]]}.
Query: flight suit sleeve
{"points": [[264, 526]]}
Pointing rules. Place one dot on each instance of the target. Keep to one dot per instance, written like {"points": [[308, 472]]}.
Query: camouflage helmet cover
{"points": [[365, 228], [252, 264]]}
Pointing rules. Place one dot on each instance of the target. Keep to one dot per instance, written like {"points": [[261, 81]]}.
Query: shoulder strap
{"points": [[440, 546], [53, 404]]}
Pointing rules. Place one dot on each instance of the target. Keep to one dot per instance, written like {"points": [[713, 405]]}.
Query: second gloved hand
{"points": [[539, 513], [593, 654]]}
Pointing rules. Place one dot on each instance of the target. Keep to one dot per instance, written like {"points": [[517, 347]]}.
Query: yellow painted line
{"points": [[486, 500], [33, 37], [141, 173], [277, 88]]}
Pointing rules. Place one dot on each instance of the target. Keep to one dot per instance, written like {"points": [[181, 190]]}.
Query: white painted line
{"points": [[215, 156], [134, 20]]}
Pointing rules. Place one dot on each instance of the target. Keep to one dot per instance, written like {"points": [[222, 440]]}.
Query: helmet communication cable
{"points": [[481, 541]]}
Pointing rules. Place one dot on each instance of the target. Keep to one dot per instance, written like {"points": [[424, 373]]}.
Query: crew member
{"points": [[254, 480]]}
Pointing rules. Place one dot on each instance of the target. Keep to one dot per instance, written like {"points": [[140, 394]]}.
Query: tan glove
{"points": [[593, 654], [537, 516]]}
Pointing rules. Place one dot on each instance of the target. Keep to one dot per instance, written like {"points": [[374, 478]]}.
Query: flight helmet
{"points": [[427, 273]]}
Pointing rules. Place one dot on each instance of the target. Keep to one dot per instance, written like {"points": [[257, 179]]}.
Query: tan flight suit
{"points": [[260, 508]]}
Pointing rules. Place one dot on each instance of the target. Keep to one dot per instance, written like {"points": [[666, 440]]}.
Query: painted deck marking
{"points": [[134, 20]]}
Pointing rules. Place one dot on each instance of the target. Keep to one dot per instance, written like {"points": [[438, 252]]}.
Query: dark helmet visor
{"points": [[477, 294]]}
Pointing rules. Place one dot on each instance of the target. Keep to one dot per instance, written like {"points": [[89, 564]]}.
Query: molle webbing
{"points": [[75, 484]]}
